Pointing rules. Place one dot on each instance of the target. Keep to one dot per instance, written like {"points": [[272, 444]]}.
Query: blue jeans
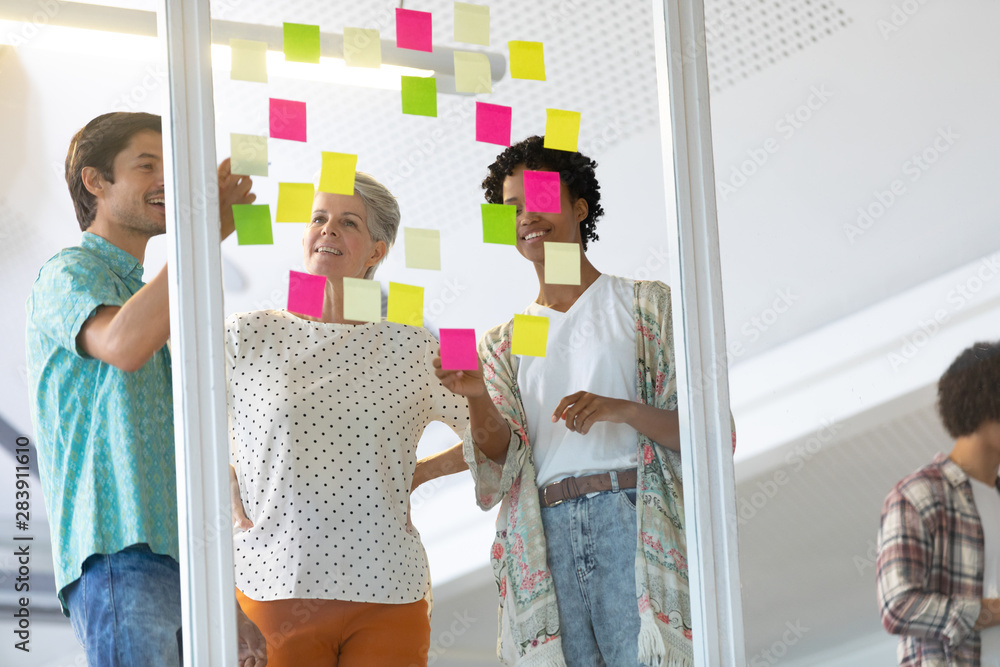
{"points": [[591, 554], [126, 609]]}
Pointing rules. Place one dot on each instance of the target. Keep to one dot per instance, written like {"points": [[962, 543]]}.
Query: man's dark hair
{"points": [[969, 391], [575, 170], [97, 145]]}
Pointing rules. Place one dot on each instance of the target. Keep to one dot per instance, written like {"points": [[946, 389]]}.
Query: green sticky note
{"points": [[362, 300], [337, 173], [301, 42], [472, 23], [406, 304], [472, 73], [362, 48], [294, 202], [562, 129], [526, 60], [500, 224], [423, 248], [248, 154], [249, 60], [253, 224], [530, 335], [562, 263], [420, 96]]}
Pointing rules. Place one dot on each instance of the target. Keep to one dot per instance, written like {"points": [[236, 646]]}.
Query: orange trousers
{"points": [[336, 633]]}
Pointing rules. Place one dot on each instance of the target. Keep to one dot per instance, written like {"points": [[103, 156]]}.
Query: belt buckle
{"points": [[545, 496]]}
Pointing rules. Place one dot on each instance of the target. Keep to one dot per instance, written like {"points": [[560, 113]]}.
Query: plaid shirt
{"points": [[930, 567]]}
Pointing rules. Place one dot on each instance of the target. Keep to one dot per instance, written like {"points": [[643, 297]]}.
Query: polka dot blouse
{"points": [[324, 421]]}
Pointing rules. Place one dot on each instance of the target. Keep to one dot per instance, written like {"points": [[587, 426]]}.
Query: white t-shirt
{"points": [[324, 424], [987, 500], [590, 348]]}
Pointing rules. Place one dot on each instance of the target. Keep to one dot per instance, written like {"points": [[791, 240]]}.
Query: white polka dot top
{"points": [[324, 421]]}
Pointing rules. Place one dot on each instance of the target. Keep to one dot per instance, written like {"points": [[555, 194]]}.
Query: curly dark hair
{"points": [[575, 170], [969, 391]]}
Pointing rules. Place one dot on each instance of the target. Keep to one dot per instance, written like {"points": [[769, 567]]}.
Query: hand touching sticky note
{"points": [[362, 48], [249, 62], [249, 154], [362, 300], [472, 23], [288, 119], [419, 95], [253, 224], [406, 304], [493, 123], [301, 42], [527, 60], [413, 30], [500, 224], [294, 202], [542, 192], [423, 248], [306, 293], [458, 350], [530, 335], [562, 129], [562, 263], [337, 173]]}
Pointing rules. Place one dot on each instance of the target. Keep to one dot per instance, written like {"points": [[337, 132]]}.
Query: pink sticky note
{"points": [[493, 123], [413, 30], [458, 350], [541, 191], [288, 119], [305, 293]]}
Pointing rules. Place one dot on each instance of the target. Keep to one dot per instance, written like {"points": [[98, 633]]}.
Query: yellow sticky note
{"points": [[362, 300], [526, 60], [562, 129], [530, 336], [362, 48], [249, 60], [248, 154], [423, 248], [294, 202], [337, 173], [472, 23], [406, 304], [562, 263], [472, 72]]}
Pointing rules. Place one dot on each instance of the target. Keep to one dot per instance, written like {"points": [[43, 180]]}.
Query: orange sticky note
{"points": [[527, 60], [337, 173], [406, 304], [530, 336]]}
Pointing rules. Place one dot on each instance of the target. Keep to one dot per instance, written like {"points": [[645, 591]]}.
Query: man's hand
{"points": [[583, 409], [464, 383], [240, 519], [252, 647], [233, 189]]}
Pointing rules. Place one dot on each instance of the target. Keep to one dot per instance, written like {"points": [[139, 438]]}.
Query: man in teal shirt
{"points": [[99, 369]]}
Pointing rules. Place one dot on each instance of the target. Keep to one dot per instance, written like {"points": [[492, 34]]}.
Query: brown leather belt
{"points": [[574, 487]]}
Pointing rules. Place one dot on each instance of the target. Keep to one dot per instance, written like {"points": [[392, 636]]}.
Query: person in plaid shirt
{"points": [[939, 542]]}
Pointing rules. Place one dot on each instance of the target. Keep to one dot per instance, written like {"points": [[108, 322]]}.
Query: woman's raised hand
{"points": [[464, 383]]}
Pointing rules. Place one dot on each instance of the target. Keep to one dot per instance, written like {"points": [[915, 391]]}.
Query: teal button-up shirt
{"points": [[105, 438]]}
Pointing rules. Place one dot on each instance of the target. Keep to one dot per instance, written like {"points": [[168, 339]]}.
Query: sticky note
{"points": [[337, 174], [406, 304], [493, 123], [541, 191], [248, 154], [301, 42], [423, 248], [458, 350], [362, 48], [472, 72], [294, 202], [526, 60], [562, 129], [253, 224], [419, 96], [305, 293], [472, 23], [530, 335], [249, 60], [500, 224], [362, 300], [562, 263], [288, 119], [413, 30]]}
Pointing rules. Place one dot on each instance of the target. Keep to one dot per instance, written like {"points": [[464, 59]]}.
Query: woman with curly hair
{"points": [[580, 447]]}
